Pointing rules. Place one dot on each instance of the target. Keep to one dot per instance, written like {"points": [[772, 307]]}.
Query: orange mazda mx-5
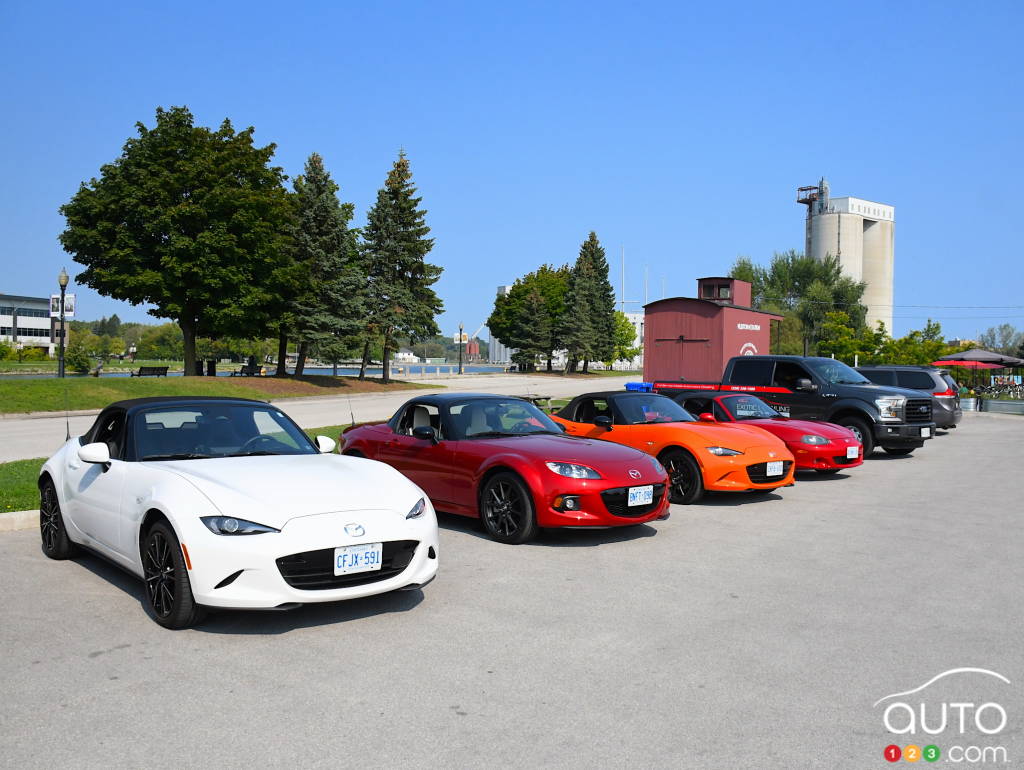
{"points": [[698, 456]]}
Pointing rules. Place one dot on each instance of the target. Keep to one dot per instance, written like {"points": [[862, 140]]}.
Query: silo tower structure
{"points": [[860, 233]]}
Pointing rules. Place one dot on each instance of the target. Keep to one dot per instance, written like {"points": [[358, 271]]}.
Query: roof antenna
{"points": [[351, 414]]}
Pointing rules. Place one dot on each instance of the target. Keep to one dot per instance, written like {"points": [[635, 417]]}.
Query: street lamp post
{"points": [[62, 280], [460, 348]]}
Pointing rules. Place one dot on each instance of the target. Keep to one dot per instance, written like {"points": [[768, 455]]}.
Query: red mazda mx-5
{"points": [[504, 460], [819, 446]]}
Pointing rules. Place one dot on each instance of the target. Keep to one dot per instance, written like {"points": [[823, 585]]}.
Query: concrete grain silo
{"points": [[860, 233]]}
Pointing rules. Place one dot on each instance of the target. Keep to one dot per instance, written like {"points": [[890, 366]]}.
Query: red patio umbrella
{"points": [[969, 364]]}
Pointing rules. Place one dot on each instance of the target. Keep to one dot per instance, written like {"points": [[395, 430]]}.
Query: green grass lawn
{"points": [[18, 490], [50, 365], [54, 395]]}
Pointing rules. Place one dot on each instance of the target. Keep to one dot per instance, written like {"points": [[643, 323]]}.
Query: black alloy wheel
{"points": [[168, 591], [861, 431], [686, 483], [506, 508], [56, 543]]}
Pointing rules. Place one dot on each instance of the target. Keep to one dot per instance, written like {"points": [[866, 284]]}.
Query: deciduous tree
{"points": [[191, 220]]}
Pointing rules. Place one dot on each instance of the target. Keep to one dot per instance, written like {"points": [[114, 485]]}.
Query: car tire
{"points": [[167, 587], [506, 509], [827, 471], [899, 451], [686, 482], [56, 543], [861, 430]]}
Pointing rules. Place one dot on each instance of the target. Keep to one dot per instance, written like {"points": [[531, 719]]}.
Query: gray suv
{"points": [[939, 382]]}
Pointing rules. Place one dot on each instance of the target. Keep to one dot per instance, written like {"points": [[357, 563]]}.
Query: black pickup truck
{"points": [[810, 388]]}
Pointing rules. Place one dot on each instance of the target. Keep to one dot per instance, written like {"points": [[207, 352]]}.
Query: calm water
{"points": [[224, 370]]}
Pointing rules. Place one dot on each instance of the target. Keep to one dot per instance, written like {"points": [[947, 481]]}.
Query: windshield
{"points": [[836, 372], [498, 417], [650, 408], [748, 408], [196, 431]]}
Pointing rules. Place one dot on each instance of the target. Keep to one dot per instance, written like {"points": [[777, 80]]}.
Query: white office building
{"points": [[25, 322]]}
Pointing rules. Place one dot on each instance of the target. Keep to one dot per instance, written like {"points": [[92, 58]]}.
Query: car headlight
{"points": [[417, 510], [228, 525], [721, 451], [572, 470], [813, 438], [658, 467], [890, 407]]}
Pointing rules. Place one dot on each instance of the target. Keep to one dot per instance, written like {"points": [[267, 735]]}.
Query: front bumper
{"points": [[903, 434], [260, 583], [730, 474], [601, 504], [824, 456]]}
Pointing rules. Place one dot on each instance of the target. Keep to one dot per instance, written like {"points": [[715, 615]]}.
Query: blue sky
{"points": [[676, 131]]}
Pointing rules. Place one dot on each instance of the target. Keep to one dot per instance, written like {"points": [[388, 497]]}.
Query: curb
{"points": [[15, 520]]}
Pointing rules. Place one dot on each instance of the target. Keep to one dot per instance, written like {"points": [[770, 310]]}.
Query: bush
{"points": [[76, 357]]}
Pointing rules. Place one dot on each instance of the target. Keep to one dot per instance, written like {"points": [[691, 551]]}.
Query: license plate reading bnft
{"points": [[357, 558], [641, 495], [775, 468]]}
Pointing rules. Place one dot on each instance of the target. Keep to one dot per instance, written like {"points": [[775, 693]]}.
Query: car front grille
{"points": [[758, 472], [918, 410], [615, 500], [314, 570], [844, 460]]}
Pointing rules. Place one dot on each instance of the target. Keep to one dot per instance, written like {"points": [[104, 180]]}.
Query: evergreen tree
{"points": [[400, 300], [577, 331], [331, 303], [532, 330], [602, 302], [588, 324]]}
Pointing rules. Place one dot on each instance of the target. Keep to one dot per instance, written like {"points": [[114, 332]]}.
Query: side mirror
{"points": [[603, 422], [325, 445], [805, 384], [562, 427], [424, 433], [98, 453], [707, 417]]}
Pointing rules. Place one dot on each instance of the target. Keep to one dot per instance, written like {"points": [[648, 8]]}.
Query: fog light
{"points": [[566, 503]]}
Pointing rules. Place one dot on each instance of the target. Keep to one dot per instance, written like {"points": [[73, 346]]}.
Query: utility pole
{"points": [[62, 280], [460, 347], [622, 282]]}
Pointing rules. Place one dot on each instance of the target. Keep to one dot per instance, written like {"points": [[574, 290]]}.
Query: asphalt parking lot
{"points": [[746, 631]]}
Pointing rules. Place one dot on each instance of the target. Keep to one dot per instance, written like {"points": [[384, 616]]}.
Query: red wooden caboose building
{"points": [[692, 338]]}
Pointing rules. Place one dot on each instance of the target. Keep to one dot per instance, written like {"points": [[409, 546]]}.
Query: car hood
{"points": [[783, 426], [271, 489], [563, 448], [732, 435]]}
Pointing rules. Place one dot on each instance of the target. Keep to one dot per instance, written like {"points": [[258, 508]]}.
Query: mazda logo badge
{"points": [[634, 474], [354, 530]]}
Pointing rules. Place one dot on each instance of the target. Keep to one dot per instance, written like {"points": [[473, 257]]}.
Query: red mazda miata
{"points": [[502, 459], [819, 446]]}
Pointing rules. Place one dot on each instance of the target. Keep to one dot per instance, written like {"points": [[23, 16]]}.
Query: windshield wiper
{"points": [[251, 454], [178, 456], [494, 434]]}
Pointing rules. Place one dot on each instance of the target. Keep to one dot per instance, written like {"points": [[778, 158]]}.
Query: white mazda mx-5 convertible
{"points": [[220, 502]]}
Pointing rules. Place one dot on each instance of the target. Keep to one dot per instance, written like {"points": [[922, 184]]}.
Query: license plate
{"points": [[641, 495], [357, 558], [926, 432], [852, 452], [774, 468]]}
